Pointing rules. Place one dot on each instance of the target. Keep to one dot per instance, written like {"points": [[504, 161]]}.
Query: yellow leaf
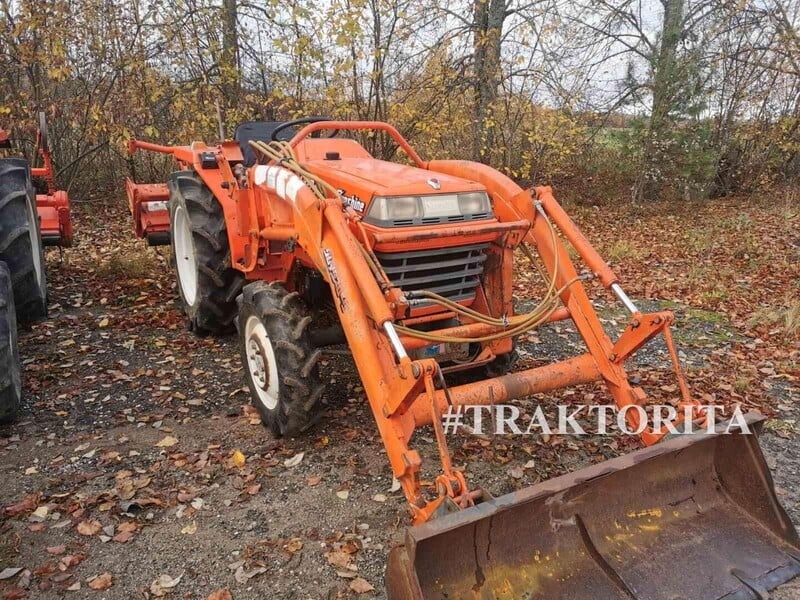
{"points": [[167, 442], [239, 459], [190, 529]]}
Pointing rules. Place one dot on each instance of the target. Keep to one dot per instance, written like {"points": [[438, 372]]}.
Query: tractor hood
{"points": [[361, 179]]}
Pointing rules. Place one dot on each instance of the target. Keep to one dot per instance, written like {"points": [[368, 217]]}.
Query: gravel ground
{"points": [[138, 450]]}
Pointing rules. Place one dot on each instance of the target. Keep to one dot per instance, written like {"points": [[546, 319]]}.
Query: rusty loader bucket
{"points": [[693, 517]]}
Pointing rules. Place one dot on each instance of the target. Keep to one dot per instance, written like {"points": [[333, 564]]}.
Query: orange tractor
{"points": [[416, 264], [28, 221]]}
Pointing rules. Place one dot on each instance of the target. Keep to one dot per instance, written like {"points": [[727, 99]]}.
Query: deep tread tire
{"points": [[299, 390], [501, 365], [10, 376], [213, 308], [21, 239]]}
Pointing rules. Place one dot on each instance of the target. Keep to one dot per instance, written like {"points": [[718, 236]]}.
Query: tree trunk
{"points": [[665, 83], [229, 63], [488, 18]]}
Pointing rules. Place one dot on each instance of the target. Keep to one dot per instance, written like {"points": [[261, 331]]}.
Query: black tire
{"points": [[294, 395], [501, 365], [21, 239], [10, 375], [211, 307]]}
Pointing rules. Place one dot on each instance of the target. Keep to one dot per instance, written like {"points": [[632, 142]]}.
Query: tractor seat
{"points": [[258, 131]]}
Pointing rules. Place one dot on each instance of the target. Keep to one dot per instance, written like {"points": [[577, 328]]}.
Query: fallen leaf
{"points": [[56, 550], [361, 586], [8, 573], [294, 545], [346, 574], [314, 480], [294, 461], [167, 442], [27, 504], [220, 595], [89, 527], [123, 537], [164, 583], [343, 494], [70, 560], [243, 576], [40, 514], [101, 582], [128, 526], [338, 559], [190, 529], [239, 459]]}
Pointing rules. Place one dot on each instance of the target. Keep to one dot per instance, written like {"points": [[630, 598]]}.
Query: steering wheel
{"points": [[303, 121]]}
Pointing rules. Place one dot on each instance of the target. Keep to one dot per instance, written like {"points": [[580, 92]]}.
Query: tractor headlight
{"points": [[398, 207], [473, 203], [386, 210]]}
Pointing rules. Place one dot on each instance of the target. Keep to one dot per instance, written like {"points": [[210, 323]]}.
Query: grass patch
{"points": [[787, 317], [622, 250], [131, 265], [700, 239]]}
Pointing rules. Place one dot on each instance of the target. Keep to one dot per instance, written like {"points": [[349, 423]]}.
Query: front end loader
{"points": [[416, 263]]}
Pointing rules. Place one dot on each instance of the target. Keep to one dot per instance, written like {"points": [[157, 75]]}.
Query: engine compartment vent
{"points": [[451, 272]]}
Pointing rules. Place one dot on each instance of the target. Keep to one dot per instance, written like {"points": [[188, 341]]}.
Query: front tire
{"points": [[21, 239], [207, 282], [10, 371], [280, 361]]}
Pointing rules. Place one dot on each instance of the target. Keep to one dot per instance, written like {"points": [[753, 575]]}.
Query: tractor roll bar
{"points": [[360, 126]]}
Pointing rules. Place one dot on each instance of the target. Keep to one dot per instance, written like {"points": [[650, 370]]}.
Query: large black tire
{"points": [[207, 282], [501, 365], [21, 239], [10, 378], [274, 329]]}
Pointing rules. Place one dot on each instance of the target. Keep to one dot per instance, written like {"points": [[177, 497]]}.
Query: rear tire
{"points": [[10, 372], [21, 240], [280, 361], [207, 283]]}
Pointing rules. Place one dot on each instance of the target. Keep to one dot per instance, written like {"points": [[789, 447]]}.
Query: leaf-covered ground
{"points": [[138, 469]]}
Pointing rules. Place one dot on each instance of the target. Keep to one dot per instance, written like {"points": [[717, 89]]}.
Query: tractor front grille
{"points": [[450, 272]]}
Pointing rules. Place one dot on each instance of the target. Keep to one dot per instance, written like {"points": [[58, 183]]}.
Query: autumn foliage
{"points": [[578, 95]]}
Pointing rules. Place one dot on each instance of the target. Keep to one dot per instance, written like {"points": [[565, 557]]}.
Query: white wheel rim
{"points": [[261, 363], [36, 250], [184, 255]]}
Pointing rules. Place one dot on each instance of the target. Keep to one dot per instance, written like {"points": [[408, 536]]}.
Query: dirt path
{"points": [[139, 454]]}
